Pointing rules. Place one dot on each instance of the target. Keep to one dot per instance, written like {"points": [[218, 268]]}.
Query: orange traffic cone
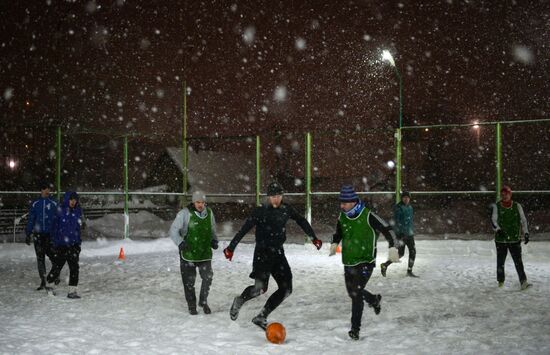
{"points": [[338, 249], [121, 254]]}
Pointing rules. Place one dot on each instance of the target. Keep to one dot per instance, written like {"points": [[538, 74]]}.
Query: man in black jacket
{"points": [[269, 256]]}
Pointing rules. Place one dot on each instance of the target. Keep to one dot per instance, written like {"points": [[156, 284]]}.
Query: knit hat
{"points": [[274, 188], [406, 194], [198, 196], [348, 194], [506, 189]]}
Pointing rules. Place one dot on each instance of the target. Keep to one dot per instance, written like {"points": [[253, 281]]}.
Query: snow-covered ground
{"points": [[138, 306]]}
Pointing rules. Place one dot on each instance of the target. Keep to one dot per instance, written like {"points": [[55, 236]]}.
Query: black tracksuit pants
{"points": [[515, 251], [269, 262], [403, 242], [62, 255], [189, 274], [356, 279], [42, 248]]}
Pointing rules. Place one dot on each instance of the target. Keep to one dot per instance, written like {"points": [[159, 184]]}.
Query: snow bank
{"points": [[142, 225]]}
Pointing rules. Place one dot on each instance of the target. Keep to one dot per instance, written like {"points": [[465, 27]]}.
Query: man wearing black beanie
{"points": [[269, 256]]}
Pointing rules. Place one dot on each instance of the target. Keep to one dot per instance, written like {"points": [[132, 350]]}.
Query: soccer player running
{"points": [[404, 227], [269, 256], [358, 229]]}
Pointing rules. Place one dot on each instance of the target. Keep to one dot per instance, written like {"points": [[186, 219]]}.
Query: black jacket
{"points": [[270, 225]]}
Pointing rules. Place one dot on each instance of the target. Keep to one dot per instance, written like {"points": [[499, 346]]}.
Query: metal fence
{"points": [[453, 171]]}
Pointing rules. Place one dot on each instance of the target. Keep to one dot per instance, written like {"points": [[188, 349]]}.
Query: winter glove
{"points": [[526, 238], [28, 239], [333, 248], [181, 247], [228, 253], [214, 244], [318, 243]]}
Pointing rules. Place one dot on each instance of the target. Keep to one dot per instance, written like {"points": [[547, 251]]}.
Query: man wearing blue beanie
{"points": [[358, 229]]}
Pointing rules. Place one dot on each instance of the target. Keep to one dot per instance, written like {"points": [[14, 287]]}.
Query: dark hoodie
{"points": [[67, 223]]}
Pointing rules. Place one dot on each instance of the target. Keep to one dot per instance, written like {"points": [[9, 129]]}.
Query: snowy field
{"points": [[138, 306]]}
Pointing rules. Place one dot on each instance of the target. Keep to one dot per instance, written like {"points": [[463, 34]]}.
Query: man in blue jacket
{"points": [[404, 229], [41, 215], [66, 241]]}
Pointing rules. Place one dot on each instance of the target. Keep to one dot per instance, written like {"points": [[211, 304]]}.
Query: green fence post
{"points": [[184, 152], [398, 165], [308, 176], [400, 97], [258, 182], [499, 160], [58, 163], [126, 215]]}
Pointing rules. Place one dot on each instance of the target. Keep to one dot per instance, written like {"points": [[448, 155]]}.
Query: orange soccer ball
{"points": [[275, 333]]}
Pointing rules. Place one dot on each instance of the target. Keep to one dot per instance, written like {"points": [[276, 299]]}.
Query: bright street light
{"points": [[386, 55]]}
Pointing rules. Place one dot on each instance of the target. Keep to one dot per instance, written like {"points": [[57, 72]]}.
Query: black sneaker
{"points": [[376, 305], [260, 321], [193, 311], [383, 269], [42, 286], [410, 273], [73, 295], [354, 334], [235, 307], [206, 309]]}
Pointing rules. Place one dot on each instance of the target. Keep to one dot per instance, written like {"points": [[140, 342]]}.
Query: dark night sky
{"points": [[265, 65], [125, 60]]}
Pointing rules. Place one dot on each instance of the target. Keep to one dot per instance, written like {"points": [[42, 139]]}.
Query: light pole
{"points": [[386, 56]]}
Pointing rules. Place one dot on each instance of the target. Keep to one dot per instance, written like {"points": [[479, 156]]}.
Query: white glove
{"points": [[333, 248], [393, 254]]}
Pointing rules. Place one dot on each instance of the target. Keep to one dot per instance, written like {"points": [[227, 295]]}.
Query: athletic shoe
{"points": [[260, 321], [73, 295], [410, 273], [525, 285], [500, 284], [354, 334], [376, 305], [383, 269], [42, 286], [206, 309], [235, 307], [193, 311]]}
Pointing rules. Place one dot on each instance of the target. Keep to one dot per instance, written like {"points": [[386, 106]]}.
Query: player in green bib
{"points": [[357, 229], [508, 222], [194, 232]]}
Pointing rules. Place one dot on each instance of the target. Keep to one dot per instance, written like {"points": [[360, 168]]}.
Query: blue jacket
{"points": [[41, 215], [403, 216], [67, 223]]}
